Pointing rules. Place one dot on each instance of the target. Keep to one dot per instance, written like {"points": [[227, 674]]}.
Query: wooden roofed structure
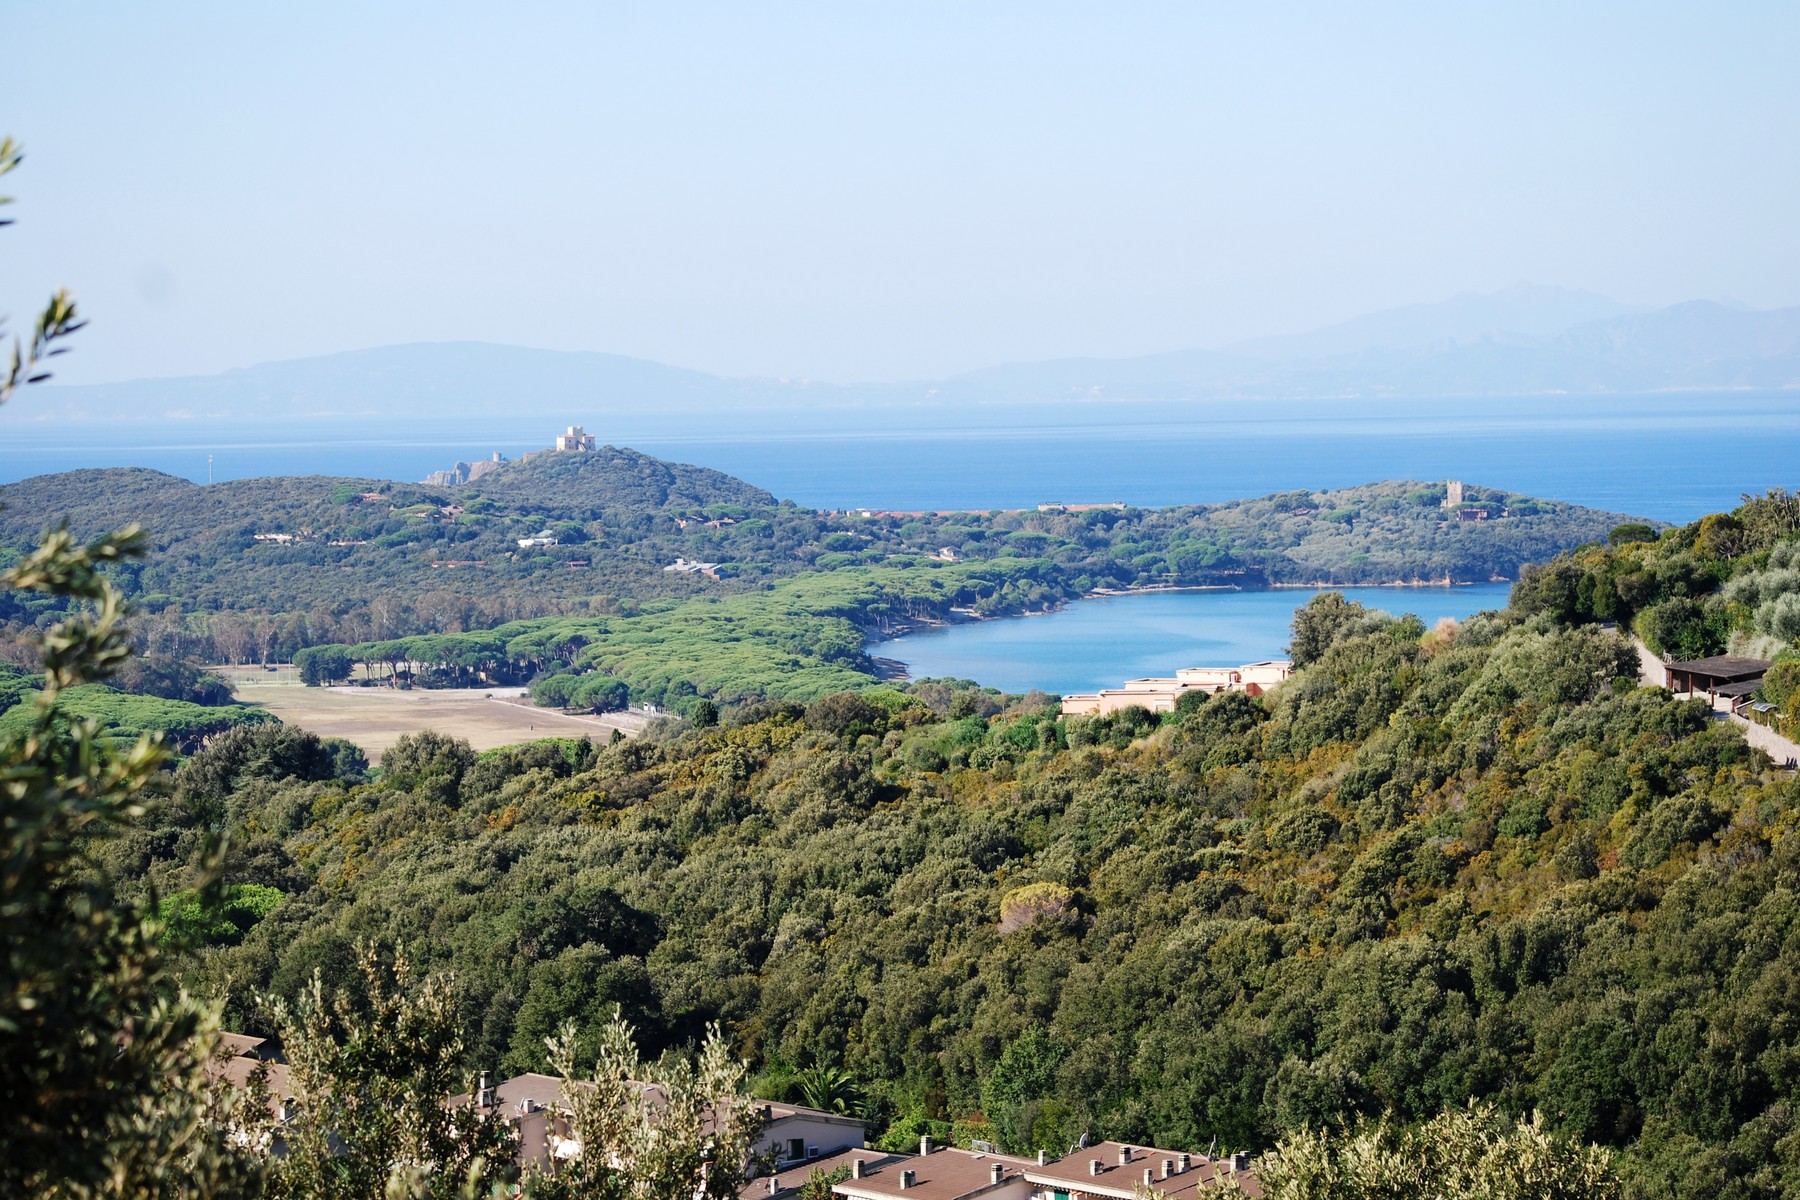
{"points": [[1713, 675]]}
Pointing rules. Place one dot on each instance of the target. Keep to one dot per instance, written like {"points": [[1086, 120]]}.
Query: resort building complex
{"points": [[1160, 695]]}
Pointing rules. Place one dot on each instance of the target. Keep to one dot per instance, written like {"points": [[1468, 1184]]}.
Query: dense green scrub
{"points": [[1728, 582], [1434, 865]]}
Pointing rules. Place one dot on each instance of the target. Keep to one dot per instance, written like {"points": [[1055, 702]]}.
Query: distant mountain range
{"points": [[1525, 340]]}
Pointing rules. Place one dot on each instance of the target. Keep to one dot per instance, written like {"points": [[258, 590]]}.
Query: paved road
{"points": [[1651, 672], [1783, 751]]}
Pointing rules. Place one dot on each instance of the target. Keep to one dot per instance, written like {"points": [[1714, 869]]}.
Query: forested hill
{"points": [[263, 568], [1435, 865], [615, 478], [609, 479]]}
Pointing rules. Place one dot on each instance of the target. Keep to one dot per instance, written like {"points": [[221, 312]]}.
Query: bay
{"points": [[1103, 641]]}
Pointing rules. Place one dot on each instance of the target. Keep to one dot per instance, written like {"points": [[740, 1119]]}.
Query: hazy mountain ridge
{"points": [[1523, 310], [1521, 341]]}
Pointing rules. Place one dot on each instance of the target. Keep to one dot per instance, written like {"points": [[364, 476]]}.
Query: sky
{"points": [[863, 191]]}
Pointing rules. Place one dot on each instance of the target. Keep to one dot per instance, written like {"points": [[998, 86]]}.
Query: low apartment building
{"points": [[1161, 695], [791, 1133], [1108, 1171]]}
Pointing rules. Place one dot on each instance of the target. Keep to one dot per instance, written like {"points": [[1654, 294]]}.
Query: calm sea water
{"points": [[1101, 642], [1668, 457]]}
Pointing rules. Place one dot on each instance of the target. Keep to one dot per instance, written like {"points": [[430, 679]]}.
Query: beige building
{"points": [[1161, 695], [1108, 1171], [576, 438], [791, 1134]]}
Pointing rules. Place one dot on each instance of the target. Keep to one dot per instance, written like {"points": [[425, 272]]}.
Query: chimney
{"points": [[1124, 1156], [856, 1168], [1095, 1166], [1187, 1160], [1149, 1176], [996, 1173], [906, 1180], [484, 1090], [1240, 1161], [1168, 1167], [925, 1145], [774, 1184], [1043, 1158]]}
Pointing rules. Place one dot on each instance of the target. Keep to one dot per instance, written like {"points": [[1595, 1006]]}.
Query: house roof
{"points": [[787, 1183], [1743, 687], [1723, 667], [947, 1174], [238, 1069], [546, 1091], [244, 1044], [1121, 1172], [774, 1111]]}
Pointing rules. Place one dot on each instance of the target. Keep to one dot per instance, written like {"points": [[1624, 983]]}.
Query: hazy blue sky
{"points": [[843, 190]]}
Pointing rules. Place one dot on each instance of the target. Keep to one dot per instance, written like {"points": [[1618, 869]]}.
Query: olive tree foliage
{"points": [[370, 1071], [674, 1130], [1328, 617], [56, 322], [106, 1072], [1461, 1154]]}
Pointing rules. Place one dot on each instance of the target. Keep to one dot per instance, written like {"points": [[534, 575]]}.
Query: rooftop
{"points": [[1117, 1169], [941, 1175], [787, 1183], [1723, 666]]}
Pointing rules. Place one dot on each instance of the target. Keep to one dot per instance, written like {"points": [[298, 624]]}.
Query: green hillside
{"points": [[260, 569], [1435, 865]]}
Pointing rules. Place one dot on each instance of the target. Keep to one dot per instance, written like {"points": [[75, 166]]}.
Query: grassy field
{"points": [[373, 718]]}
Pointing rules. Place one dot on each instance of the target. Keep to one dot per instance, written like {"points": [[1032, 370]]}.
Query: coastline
{"points": [[890, 670]]}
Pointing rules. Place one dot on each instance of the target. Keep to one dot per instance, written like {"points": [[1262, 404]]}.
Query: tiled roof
{"points": [[276, 1085], [783, 1184], [1121, 1172], [247, 1046], [947, 1174], [776, 1111]]}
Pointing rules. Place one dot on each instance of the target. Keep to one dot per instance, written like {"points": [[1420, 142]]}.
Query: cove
{"points": [[1104, 640]]}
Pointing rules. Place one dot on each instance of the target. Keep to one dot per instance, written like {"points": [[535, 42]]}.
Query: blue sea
{"points": [[1104, 641], [1671, 457]]}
